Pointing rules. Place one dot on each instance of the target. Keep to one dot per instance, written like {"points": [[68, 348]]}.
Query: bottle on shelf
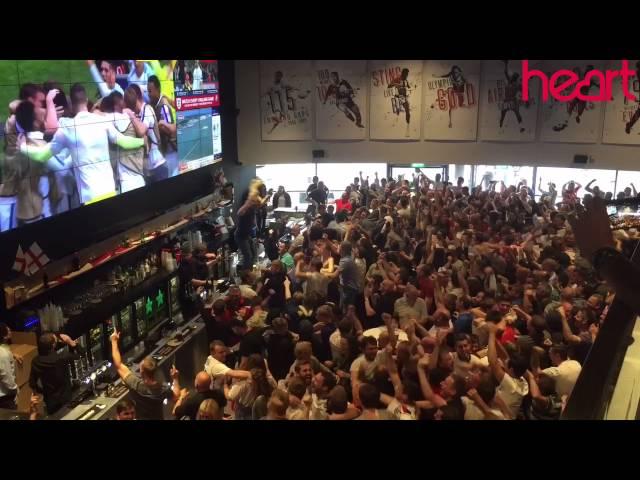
{"points": [[227, 261]]}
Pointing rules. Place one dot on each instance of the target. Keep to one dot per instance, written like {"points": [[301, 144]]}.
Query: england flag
{"points": [[36, 259]]}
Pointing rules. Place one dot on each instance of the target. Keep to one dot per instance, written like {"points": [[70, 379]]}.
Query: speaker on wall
{"points": [[317, 153], [581, 159]]}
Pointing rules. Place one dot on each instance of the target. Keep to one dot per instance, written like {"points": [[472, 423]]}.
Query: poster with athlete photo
{"points": [[452, 96], [504, 115], [395, 99], [285, 99], [622, 115], [341, 99], [576, 121]]}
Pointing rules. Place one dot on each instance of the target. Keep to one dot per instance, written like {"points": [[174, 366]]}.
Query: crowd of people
{"points": [[66, 149], [407, 300]]}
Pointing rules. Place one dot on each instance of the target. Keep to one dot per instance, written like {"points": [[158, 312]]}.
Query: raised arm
{"points": [[427, 391], [139, 126], [369, 310], [567, 334], [51, 118], [97, 78], [120, 367], [435, 355], [522, 314], [480, 403], [123, 141], [463, 282], [175, 386], [496, 368], [536, 395], [392, 369], [37, 153]]}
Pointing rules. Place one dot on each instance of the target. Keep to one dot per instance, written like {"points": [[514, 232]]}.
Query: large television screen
{"points": [[75, 132]]}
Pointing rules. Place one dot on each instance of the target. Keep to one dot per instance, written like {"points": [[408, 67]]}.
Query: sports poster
{"points": [[575, 121], [622, 115], [341, 99], [451, 92], [395, 99], [285, 99], [504, 115]]}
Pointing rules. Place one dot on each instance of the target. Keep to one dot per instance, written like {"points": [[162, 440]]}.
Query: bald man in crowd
{"points": [[189, 402]]}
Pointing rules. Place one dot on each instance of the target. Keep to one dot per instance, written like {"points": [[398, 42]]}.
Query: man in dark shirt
{"points": [[314, 185], [252, 340], [246, 231], [189, 402], [193, 273], [148, 393], [280, 348], [388, 297], [319, 195], [316, 197], [348, 276], [327, 215], [49, 370]]}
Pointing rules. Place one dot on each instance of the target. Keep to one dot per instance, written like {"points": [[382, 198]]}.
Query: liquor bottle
{"points": [[220, 263], [227, 267]]}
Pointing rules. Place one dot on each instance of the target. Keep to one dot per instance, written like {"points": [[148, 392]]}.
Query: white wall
{"points": [[252, 150]]}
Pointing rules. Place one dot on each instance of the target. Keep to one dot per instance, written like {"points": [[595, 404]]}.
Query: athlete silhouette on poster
{"points": [[400, 99], [344, 94], [636, 115], [576, 105], [512, 96], [282, 99], [458, 83]]}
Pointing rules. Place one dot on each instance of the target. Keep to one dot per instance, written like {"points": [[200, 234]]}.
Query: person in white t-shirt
{"points": [[512, 386], [197, 77], [217, 369], [463, 360], [565, 371], [484, 403], [87, 137], [364, 367], [298, 409]]}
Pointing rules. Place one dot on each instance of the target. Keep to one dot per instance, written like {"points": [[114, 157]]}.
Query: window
{"points": [[407, 172], [509, 174], [294, 177], [605, 179], [463, 171], [337, 176], [625, 179]]}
